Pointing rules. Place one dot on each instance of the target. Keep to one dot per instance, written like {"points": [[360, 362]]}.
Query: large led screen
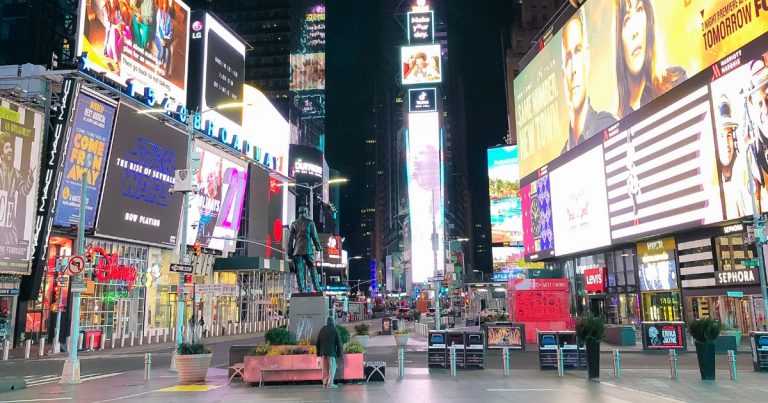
{"points": [[740, 104], [661, 172], [265, 130], [140, 44], [87, 152], [613, 57], [503, 189], [425, 194], [138, 204], [506, 260], [580, 205], [421, 64], [265, 212], [538, 233], [216, 208], [20, 142], [656, 265], [224, 73]]}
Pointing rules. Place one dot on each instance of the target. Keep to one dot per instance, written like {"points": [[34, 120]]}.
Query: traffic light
{"points": [[89, 254], [198, 247]]}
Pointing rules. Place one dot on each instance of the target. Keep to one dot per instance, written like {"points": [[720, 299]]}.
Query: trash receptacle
{"points": [[437, 355], [386, 326], [96, 339], [455, 339], [570, 347], [547, 349], [759, 343], [474, 353]]}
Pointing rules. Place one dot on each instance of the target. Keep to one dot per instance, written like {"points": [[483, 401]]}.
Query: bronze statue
{"points": [[303, 237]]}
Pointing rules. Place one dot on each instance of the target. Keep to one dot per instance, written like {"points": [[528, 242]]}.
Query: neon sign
{"points": [[107, 269]]}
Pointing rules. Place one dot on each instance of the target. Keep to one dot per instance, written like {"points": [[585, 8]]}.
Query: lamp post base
{"points": [[173, 362], [71, 372]]}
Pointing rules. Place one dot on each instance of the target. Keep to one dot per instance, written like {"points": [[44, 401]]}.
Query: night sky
{"points": [[475, 54]]}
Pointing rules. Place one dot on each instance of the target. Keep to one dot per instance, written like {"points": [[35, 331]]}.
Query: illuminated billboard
{"points": [[216, 79], [579, 209], [503, 189], [421, 27], [656, 265], [612, 58], [506, 259], [425, 194], [141, 47], [217, 206], [422, 100], [20, 143], [421, 64], [538, 234], [307, 72], [265, 130]]}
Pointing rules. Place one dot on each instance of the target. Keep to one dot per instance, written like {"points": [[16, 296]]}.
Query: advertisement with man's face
{"points": [[137, 43], [86, 154], [613, 57], [217, 206], [503, 189], [421, 64], [138, 205], [20, 142]]}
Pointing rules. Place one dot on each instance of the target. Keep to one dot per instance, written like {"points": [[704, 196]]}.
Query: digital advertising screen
{"points": [[87, 153], [142, 45], [307, 68], [661, 172], [308, 71], [224, 72], [216, 208], [425, 193], [612, 58], [421, 64], [579, 204], [740, 109], [503, 189], [538, 232], [422, 100], [506, 260], [305, 164], [144, 157], [664, 336], [656, 265], [20, 142], [266, 130], [421, 27], [265, 223]]}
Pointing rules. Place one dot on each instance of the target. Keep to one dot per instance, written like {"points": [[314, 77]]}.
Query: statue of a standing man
{"points": [[303, 236]]}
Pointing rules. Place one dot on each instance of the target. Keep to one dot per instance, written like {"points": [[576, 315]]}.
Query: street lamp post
{"points": [[312, 191]]}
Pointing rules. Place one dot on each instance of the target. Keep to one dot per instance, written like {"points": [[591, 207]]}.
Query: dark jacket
{"points": [[328, 342], [303, 236]]}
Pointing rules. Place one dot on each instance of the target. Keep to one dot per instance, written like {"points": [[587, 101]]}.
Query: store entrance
{"points": [[597, 306], [122, 317]]}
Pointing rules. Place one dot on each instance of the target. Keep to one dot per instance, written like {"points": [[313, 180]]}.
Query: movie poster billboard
{"points": [[217, 206], [87, 153], [611, 58], [141, 45], [143, 160], [503, 189], [20, 143]]}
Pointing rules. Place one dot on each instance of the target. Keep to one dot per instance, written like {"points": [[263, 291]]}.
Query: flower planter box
{"points": [[350, 368], [192, 368], [361, 340], [401, 339], [303, 367]]}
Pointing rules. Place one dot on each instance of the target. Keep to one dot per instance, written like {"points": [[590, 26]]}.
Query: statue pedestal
{"points": [[308, 314]]}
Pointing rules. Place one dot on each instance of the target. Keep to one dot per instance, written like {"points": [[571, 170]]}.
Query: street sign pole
{"points": [[71, 371]]}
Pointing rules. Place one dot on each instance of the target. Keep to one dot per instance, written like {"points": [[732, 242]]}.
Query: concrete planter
{"points": [[350, 368], [254, 364], [192, 368], [401, 339], [361, 340]]}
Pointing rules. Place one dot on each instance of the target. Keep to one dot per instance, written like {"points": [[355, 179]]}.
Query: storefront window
{"points": [[732, 252], [661, 306]]}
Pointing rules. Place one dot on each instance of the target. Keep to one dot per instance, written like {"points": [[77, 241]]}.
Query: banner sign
{"points": [[506, 335], [594, 280], [664, 336]]}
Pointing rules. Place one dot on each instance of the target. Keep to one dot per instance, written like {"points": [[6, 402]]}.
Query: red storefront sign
{"points": [[594, 280], [107, 269], [541, 304]]}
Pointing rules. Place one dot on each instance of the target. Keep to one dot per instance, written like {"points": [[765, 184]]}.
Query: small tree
{"points": [[705, 330], [362, 329], [278, 336], [590, 329]]}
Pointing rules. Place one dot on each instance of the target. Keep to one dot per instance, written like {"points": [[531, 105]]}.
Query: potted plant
{"points": [[704, 332], [362, 333], [591, 330], [343, 334], [401, 337], [192, 362], [278, 336], [350, 367]]}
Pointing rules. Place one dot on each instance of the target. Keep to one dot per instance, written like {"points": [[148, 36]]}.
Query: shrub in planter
{"points": [[343, 333], [278, 336], [416, 315], [401, 337], [591, 331], [704, 332], [192, 362], [353, 348], [261, 350], [362, 329]]}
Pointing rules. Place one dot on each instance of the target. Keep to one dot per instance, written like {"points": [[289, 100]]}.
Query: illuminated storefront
{"points": [[657, 273]]}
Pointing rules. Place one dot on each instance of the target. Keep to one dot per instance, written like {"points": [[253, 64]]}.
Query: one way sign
{"points": [[181, 268]]}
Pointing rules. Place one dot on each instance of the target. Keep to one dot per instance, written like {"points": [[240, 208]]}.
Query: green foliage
{"points": [[353, 348], [502, 189], [192, 349], [705, 330], [343, 333], [416, 315], [590, 329], [401, 331], [260, 350], [362, 329], [278, 336]]}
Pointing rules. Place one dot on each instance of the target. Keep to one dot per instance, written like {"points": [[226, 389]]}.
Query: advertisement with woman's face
{"points": [[595, 70]]}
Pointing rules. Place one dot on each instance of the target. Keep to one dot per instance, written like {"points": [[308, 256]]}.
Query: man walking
{"points": [[329, 348]]}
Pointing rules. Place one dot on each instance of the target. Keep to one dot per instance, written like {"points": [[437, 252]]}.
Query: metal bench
{"points": [[238, 370], [273, 370]]}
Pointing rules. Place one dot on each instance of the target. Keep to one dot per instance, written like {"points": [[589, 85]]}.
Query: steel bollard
{"points": [[6, 349], [673, 364], [173, 335], [132, 337], [560, 363], [229, 329], [505, 357], [149, 336], [112, 346], [157, 335], [732, 365], [401, 362], [90, 340], [453, 361], [122, 341], [165, 336], [102, 341], [147, 366], [56, 346], [80, 341], [27, 347], [616, 363], [41, 350], [141, 338]]}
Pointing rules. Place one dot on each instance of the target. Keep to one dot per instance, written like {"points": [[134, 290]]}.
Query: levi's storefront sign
{"points": [[664, 336], [594, 280], [738, 277]]}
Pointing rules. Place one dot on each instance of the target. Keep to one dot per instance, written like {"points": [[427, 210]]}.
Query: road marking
{"points": [[523, 390], [52, 399], [37, 380], [190, 388]]}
